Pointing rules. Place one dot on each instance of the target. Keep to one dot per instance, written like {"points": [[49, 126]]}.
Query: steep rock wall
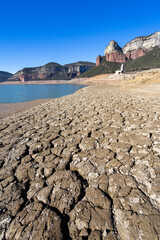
{"points": [[136, 48], [147, 42], [52, 71]]}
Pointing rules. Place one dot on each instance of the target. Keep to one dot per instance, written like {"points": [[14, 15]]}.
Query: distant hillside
{"points": [[52, 71], [103, 68], [149, 61], [80, 63], [4, 76]]}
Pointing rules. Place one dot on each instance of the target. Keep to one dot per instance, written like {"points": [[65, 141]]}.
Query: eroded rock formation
{"points": [[84, 166], [146, 42], [98, 60], [113, 53], [132, 50], [135, 53], [52, 71]]}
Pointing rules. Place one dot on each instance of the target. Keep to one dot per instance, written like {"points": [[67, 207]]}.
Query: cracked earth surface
{"points": [[84, 166]]}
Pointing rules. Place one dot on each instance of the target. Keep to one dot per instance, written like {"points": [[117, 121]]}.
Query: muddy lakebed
{"points": [[84, 166]]}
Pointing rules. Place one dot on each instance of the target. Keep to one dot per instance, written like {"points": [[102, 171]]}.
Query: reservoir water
{"points": [[24, 93]]}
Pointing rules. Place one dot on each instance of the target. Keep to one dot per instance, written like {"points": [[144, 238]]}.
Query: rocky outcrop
{"points": [[112, 47], [98, 60], [85, 166], [136, 48], [113, 53], [140, 45], [53, 71], [135, 53], [47, 71], [77, 70], [147, 42], [117, 56]]}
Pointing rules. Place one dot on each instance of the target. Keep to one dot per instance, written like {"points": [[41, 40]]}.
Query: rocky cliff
{"points": [[76, 69], [151, 60], [114, 53], [134, 49], [52, 71], [146, 43]]}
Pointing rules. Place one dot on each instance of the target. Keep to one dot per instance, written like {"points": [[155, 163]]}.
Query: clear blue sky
{"points": [[35, 32]]}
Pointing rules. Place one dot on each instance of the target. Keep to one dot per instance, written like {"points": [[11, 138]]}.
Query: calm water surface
{"points": [[24, 93]]}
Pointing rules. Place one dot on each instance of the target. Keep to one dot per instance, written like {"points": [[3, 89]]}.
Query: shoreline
{"points": [[39, 82], [147, 82], [9, 109], [109, 79]]}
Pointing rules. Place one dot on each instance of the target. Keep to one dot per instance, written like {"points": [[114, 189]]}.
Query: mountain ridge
{"points": [[52, 71], [151, 60], [4, 75], [134, 49]]}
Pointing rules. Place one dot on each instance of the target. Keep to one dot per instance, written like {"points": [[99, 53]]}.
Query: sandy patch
{"points": [[8, 109]]}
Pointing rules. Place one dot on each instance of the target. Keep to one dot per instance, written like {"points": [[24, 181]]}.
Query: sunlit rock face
{"points": [[52, 71], [135, 53], [136, 48], [114, 53], [112, 47], [139, 46], [147, 42]]}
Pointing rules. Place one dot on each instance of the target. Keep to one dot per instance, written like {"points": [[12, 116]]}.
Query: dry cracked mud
{"points": [[84, 166]]}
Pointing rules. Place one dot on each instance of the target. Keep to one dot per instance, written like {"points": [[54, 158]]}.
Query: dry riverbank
{"points": [[73, 81], [84, 166], [8, 109]]}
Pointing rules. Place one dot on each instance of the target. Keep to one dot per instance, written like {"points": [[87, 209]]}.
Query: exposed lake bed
{"points": [[91, 157]]}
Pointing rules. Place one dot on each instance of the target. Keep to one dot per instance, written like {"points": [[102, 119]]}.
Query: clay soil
{"points": [[84, 166]]}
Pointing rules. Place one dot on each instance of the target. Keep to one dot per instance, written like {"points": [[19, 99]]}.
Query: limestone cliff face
{"points": [[112, 47], [147, 43], [114, 53], [138, 47], [76, 69], [52, 71], [46, 71]]}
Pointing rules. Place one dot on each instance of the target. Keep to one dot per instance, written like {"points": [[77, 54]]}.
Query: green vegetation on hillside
{"points": [[103, 68], [28, 70], [149, 61], [4, 75], [55, 70], [83, 63]]}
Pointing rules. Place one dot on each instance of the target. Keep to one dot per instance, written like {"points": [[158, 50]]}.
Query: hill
{"points": [[52, 71], [150, 60], [4, 76]]}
